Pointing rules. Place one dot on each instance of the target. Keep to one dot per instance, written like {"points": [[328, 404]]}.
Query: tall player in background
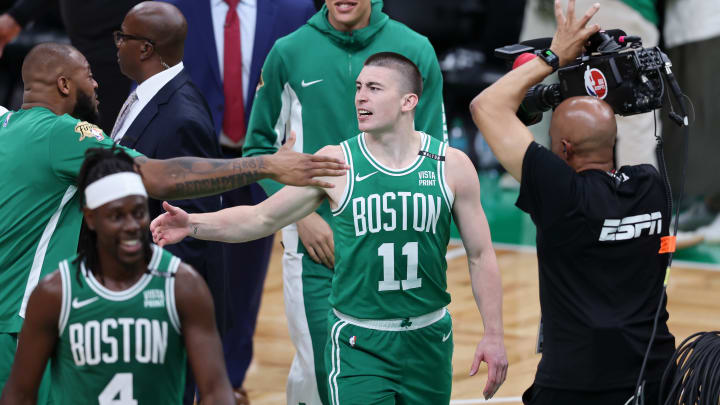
{"points": [[307, 86], [390, 334], [226, 46], [116, 319]]}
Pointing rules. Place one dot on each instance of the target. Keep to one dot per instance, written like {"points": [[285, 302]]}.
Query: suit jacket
{"points": [[275, 19], [177, 122]]}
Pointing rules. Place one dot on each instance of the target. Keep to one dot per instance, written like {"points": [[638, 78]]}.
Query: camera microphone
{"points": [[607, 40]]}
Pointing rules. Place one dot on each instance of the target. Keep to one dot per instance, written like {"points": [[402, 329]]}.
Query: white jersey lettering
{"points": [[631, 227], [94, 342], [375, 213]]}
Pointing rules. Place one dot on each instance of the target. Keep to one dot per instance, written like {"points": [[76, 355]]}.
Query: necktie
{"points": [[234, 114], [132, 98]]}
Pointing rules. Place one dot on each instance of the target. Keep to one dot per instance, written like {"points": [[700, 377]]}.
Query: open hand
{"points": [[572, 34], [300, 169], [317, 237], [170, 227], [491, 350]]}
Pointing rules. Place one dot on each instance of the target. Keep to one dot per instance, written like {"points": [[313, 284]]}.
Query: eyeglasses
{"points": [[120, 37]]}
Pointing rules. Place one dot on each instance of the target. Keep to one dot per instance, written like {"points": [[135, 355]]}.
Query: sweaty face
{"points": [[348, 15], [378, 98], [122, 230]]}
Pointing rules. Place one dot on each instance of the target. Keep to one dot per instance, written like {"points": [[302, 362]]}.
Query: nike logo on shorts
{"points": [[360, 178], [306, 84], [79, 304], [446, 337]]}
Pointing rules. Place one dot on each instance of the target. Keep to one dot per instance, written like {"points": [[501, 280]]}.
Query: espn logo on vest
{"points": [[631, 227]]}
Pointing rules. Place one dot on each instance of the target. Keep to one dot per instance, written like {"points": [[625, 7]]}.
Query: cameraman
{"points": [[598, 235]]}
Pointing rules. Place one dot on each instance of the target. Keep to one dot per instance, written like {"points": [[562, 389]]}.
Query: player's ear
{"points": [[63, 85], [409, 102], [89, 218]]}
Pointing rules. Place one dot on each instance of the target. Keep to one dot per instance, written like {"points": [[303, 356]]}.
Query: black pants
{"points": [[537, 395]]}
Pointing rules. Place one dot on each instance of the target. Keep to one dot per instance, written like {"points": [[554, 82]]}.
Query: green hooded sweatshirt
{"points": [[308, 85]]}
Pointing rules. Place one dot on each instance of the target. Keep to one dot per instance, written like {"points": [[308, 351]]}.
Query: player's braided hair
{"points": [[98, 163]]}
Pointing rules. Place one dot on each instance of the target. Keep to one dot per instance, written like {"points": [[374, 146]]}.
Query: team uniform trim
{"points": [[170, 303], [349, 184], [447, 193], [335, 359], [425, 142], [128, 293], [42, 248], [66, 296], [394, 325]]}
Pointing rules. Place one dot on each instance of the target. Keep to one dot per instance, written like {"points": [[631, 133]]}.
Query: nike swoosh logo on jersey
{"points": [[446, 337], [359, 178], [79, 304], [306, 84]]}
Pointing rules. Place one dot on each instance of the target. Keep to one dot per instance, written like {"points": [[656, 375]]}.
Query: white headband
{"points": [[113, 187]]}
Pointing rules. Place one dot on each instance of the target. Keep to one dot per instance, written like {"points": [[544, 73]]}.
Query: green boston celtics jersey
{"points": [[40, 157], [391, 231], [119, 347]]}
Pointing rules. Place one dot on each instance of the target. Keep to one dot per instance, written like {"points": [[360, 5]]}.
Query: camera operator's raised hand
{"points": [[571, 35], [494, 110]]}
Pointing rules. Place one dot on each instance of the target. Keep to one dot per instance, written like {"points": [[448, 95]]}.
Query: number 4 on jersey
{"points": [[387, 252], [119, 391]]}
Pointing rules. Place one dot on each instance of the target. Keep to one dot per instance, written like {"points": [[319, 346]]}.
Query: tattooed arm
{"points": [[191, 177]]}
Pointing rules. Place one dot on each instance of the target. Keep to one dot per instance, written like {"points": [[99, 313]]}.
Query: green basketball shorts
{"points": [[398, 361]]}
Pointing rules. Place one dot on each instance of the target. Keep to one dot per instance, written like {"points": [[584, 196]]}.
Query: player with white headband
{"points": [[116, 318]]}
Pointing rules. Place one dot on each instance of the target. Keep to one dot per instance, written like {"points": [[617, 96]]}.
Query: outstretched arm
{"points": [[494, 109], [484, 274], [36, 343], [197, 320], [247, 222], [190, 177], [237, 224]]}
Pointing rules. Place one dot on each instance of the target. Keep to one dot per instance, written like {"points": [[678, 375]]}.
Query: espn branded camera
{"points": [[614, 68]]}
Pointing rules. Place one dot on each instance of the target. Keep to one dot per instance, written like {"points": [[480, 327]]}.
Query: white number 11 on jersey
{"points": [[387, 252]]}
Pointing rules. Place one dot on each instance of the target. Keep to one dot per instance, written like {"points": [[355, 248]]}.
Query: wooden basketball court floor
{"points": [[693, 305]]}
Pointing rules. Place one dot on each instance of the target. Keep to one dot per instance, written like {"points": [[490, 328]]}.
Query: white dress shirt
{"points": [[145, 92], [247, 11]]}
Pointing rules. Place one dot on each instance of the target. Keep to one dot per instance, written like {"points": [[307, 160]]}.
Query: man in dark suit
{"points": [[166, 116], [261, 22]]}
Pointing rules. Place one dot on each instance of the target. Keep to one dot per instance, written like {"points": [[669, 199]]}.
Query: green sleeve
{"points": [[430, 115], [69, 140], [266, 129]]}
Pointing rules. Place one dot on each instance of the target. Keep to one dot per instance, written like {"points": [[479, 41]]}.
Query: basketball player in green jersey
{"points": [[390, 336], [118, 318]]}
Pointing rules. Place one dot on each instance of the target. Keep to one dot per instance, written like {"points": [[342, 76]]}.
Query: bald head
{"points": [[164, 24], [58, 77], [48, 61], [588, 125]]}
